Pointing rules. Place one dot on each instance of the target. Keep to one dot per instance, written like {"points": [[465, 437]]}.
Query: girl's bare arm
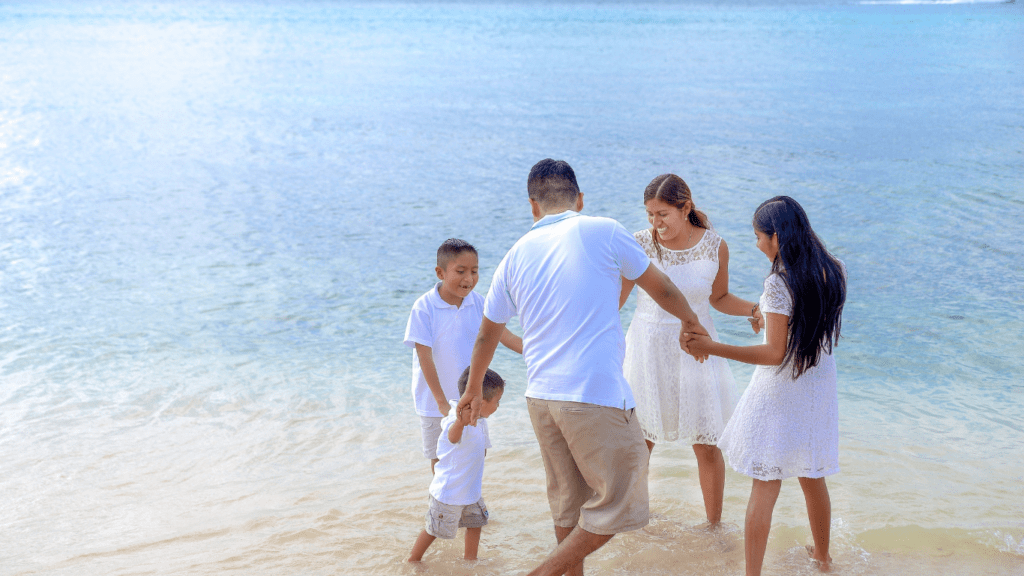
{"points": [[771, 353]]}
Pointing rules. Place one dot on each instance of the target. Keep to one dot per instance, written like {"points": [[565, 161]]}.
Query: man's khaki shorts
{"points": [[596, 464]]}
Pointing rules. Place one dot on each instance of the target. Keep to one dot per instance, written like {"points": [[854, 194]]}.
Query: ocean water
{"points": [[215, 216]]}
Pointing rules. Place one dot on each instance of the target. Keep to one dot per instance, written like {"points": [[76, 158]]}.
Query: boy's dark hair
{"points": [[492, 383], [451, 248], [552, 183]]}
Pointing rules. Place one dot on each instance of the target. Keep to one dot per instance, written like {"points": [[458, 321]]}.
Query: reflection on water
{"points": [[215, 218]]}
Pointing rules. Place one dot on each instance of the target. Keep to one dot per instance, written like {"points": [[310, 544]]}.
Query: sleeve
{"points": [[417, 331], [499, 307], [629, 255], [777, 299], [486, 431]]}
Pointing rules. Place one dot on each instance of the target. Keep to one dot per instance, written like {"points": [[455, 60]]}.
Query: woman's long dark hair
{"points": [[813, 276], [672, 190]]}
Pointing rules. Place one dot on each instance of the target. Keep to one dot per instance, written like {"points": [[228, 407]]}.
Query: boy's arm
{"points": [[511, 341], [455, 430], [426, 357]]}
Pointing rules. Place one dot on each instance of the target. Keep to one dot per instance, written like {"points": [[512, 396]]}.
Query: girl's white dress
{"points": [[785, 427], [678, 398]]}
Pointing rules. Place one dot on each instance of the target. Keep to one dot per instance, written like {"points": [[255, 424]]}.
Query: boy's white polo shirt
{"points": [[459, 472], [563, 281], [450, 332]]}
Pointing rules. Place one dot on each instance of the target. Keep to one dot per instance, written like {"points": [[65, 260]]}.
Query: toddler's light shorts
{"points": [[431, 428], [444, 520]]}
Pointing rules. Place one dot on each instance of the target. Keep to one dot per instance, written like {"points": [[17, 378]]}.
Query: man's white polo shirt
{"points": [[563, 281]]}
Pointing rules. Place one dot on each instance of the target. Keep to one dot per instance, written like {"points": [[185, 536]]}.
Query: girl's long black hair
{"points": [[814, 277]]}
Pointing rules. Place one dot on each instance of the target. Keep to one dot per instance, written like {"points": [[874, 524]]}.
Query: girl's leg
{"points": [[763, 495], [711, 469], [819, 512], [472, 542], [422, 543]]}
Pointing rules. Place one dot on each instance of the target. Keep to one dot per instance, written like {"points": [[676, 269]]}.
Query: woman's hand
{"points": [[756, 319]]}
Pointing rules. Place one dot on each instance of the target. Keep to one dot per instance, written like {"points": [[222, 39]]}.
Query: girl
{"points": [[677, 397], [787, 422]]}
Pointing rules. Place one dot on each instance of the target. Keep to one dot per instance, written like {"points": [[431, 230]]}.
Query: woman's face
{"points": [[767, 244], [670, 222]]}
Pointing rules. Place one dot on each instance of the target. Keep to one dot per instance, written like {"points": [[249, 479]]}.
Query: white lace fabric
{"points": [[678, 398], [785, 427]]}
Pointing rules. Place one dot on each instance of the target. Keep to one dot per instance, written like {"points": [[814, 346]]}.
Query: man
{"points": [[563, 281]]}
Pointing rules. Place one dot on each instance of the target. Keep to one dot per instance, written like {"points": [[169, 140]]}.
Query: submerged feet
{"points": [[823, 564]]}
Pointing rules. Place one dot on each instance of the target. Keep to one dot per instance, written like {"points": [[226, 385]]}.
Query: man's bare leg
{"points": [[574, 544]]}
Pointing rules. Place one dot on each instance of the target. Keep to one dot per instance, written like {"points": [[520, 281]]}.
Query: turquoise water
{"points": [[214, 218]]}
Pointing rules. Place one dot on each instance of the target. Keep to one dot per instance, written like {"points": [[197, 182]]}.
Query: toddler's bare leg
{"points": [[819, 512], [422, 543], [472, 542]]}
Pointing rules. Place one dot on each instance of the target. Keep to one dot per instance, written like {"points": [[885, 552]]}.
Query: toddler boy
{"points": [[455, 498], [442, 329]]}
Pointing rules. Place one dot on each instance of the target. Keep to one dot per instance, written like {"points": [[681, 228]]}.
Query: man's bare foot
{"points": [[822, 564]]}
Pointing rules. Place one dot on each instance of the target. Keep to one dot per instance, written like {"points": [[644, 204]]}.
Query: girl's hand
{"points": [[444, 407], [756, 319], [699, 344]]}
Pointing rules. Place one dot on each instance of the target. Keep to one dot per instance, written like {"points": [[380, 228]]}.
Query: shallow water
{"points": [[215, 217]]}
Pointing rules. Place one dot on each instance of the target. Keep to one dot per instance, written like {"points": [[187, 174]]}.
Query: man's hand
{"points": [[469, 403], [689, 330]]}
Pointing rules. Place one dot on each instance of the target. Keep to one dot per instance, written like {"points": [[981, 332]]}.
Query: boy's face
{"points": [[488, 407], [459, 277]]}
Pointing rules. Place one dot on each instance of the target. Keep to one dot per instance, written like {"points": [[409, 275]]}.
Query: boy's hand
{"points": [[444, 407]]}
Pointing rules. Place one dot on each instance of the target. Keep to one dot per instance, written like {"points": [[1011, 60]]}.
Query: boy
{"points": [[455, 493], [442, 329]]}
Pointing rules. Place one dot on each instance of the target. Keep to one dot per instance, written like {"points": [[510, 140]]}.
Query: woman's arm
{"points": [[771, 353], [627, 287], [723, 300]]}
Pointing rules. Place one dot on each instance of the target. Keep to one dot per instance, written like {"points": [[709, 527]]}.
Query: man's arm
{"points": [[663, 291], [429, 370], [483, 352]]}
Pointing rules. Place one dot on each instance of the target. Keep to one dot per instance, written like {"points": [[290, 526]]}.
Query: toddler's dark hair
{"points": [[451, 248], [492, 383]]}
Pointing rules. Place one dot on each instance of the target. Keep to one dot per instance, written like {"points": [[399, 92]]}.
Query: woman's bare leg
{"points": [[819, 512], [763, 495], [711, 469]]}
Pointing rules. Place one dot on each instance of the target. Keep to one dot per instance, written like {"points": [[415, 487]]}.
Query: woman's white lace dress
{"points": [[785, 427], [678, 398]]}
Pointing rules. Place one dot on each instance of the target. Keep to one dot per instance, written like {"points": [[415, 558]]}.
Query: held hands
{"points": [[756, 319], [468, 408], [690, 330], [698, 344]]}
